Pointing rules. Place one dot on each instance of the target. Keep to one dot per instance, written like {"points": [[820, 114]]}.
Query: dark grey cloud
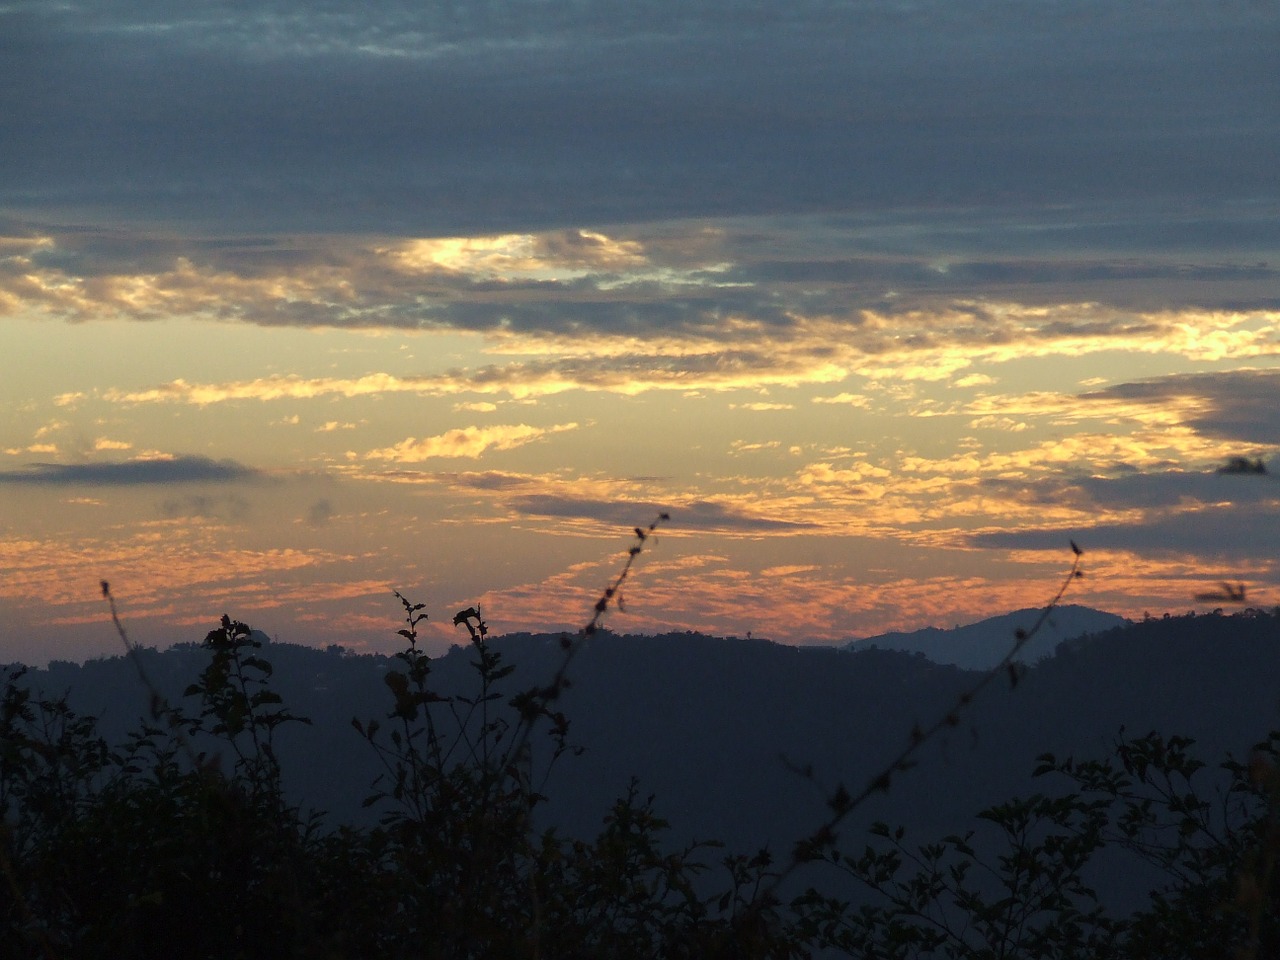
{"points": [[1176, 488], [228, 507], [698, 515], [461, 117], [622, 314], [1128, 281], [186, 469], [486, 480], [993, 274], [1239, 405], [320, 513], [90, 252], [1216, 516], [1245, 531], [1129, 489]]}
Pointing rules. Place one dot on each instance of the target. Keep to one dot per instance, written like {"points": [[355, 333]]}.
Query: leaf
{"points": [[257, 663], [841, 801], [1045, 763], [1015, 674]]}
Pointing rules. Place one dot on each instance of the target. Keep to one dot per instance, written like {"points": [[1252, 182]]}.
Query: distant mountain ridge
{"points": [[981, 645]]}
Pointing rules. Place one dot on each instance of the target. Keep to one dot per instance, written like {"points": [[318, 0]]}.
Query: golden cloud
{"points": [[848, 399], [761, 406], [518, 256], [466, 442], [742, 354]]}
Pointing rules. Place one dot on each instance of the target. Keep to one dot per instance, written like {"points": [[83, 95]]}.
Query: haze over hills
{"points": [[982, 645]]}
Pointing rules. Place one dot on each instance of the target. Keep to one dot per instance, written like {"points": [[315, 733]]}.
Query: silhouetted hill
{"points": [[981, 645], [706, 723]]}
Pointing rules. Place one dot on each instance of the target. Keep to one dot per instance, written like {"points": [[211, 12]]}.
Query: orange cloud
{"points": [[789, 603], [157, 560]]}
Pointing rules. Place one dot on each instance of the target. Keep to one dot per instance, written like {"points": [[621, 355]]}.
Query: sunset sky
{"points": [[885, 303]]}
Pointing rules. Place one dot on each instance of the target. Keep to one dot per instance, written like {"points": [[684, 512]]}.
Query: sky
{"points": [[885, 303]]}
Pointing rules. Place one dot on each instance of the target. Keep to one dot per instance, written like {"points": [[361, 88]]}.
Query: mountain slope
{"points": [[981, 645]]}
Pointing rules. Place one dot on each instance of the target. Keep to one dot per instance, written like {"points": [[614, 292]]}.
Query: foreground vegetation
{"points": [[180, 841]]}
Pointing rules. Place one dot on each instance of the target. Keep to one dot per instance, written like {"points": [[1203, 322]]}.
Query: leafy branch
{"points": [[819, 843]]}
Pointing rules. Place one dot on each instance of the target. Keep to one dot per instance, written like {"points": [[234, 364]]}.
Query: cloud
{"points": [[1176, 488], [1232, 405], [998, 423], [1130, 497], [847, 399], [319, 513], [466, 442], [279, 388], [1217, 534], [695, 515], [557, 255], [587, 501], [674, 282], [230, 507], [670, 307], [717, 369], [761, 406], [1074, 454], [737, 447], [795, 602], [357, 117], [166, 566], [888, 349], [183, 469], [489, 480]]}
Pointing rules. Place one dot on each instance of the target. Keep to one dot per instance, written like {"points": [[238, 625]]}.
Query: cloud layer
{"points": [[360, 117], [170, 470]]}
